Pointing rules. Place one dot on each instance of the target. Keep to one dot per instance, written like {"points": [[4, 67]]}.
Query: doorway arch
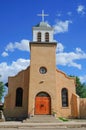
{"points": [[42, 104]]}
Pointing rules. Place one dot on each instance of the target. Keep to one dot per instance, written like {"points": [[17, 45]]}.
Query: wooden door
{"points": [[42, 105]]}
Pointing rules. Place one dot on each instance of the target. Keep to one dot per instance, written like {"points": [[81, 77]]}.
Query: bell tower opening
{"points": [[46, 37], [39, 37]]}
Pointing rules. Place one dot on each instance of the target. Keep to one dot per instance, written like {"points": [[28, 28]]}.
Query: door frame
{"points": [[44, 95]]}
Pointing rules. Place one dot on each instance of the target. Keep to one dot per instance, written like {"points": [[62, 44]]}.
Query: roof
{"points": [[43, 24]]}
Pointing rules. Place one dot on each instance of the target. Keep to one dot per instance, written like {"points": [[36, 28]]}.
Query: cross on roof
{"points": [[42, 15]]}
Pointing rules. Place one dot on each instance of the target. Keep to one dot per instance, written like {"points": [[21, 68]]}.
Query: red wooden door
{"points": [[42, 105]]}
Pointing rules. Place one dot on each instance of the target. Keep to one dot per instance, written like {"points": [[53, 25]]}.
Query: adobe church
{"points": [[41, 89]]}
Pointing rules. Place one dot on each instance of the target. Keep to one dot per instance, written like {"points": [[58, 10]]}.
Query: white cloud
{"points": [[81, 9], [60, 47], [69, 59], [78, 50], [83, 79], [10, 47], [62, 58], [61, 26], [23, 45], [4, 54], [12, 69]]}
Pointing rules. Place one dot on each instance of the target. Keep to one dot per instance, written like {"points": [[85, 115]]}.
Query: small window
{"points": [[46, 37], [39, 37], [19, 97], [42, 70], [64, 94]]}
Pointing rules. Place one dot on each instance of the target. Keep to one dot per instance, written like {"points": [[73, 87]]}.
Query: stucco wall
{"points": [[42, 55], [32, 82], [53, 88], [75, 109], [63, 81], [20, 80], [82, 107]]}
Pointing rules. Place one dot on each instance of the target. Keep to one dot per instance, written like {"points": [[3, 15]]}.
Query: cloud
{"points": [[12, 69], [4, 54], [83, 79], [62, 58], [23, 45], [70, 58], [59, 48], [61, 26], [67, 59], [81, 9]]}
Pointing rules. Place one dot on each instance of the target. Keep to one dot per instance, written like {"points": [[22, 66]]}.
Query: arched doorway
{"points": [[42, 104]]}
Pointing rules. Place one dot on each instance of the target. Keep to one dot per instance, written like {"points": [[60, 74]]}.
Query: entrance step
{"points": [[42, 119]]}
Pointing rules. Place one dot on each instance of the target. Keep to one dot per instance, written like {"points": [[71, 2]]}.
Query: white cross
{"points": [[42, 15]]}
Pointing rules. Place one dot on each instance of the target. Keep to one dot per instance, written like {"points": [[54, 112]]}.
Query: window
{"points": [[39, 37], [46, 37], [42, 70], [19, 97], [42, 94], [64, 94]]}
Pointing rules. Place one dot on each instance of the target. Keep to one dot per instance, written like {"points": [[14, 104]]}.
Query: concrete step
{"points": [[42, 119]]}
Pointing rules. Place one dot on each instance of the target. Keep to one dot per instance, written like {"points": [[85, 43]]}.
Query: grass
{"points": [[63, 119]]}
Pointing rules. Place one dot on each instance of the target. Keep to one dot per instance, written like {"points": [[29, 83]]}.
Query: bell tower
{"points": [[42, 65], [43, 32]]}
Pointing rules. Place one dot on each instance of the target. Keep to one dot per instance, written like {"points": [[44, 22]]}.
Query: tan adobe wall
{"points": [[75, 109], [20, 80], [82, 107], [32, 82], [63, 81], [42, 54]]}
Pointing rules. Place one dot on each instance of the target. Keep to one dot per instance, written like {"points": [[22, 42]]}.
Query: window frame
{"points": [[64, 97], [39, 36], [42, 70], [19, 97], [47, 37]]}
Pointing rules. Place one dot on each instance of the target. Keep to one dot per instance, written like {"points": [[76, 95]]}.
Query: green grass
{"points": [[62, 119]]}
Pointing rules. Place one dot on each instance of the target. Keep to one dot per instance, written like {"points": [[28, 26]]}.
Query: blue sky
{"points": [[67, 17]]}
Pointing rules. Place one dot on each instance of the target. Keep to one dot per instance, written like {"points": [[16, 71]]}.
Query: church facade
{"points": [[42, 89]]}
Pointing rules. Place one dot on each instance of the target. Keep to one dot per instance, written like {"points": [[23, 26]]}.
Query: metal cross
{"points": [[42, 15]]}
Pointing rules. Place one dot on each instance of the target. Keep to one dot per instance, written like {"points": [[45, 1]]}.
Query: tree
{"points": [[80, 88], [1, 89]]}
